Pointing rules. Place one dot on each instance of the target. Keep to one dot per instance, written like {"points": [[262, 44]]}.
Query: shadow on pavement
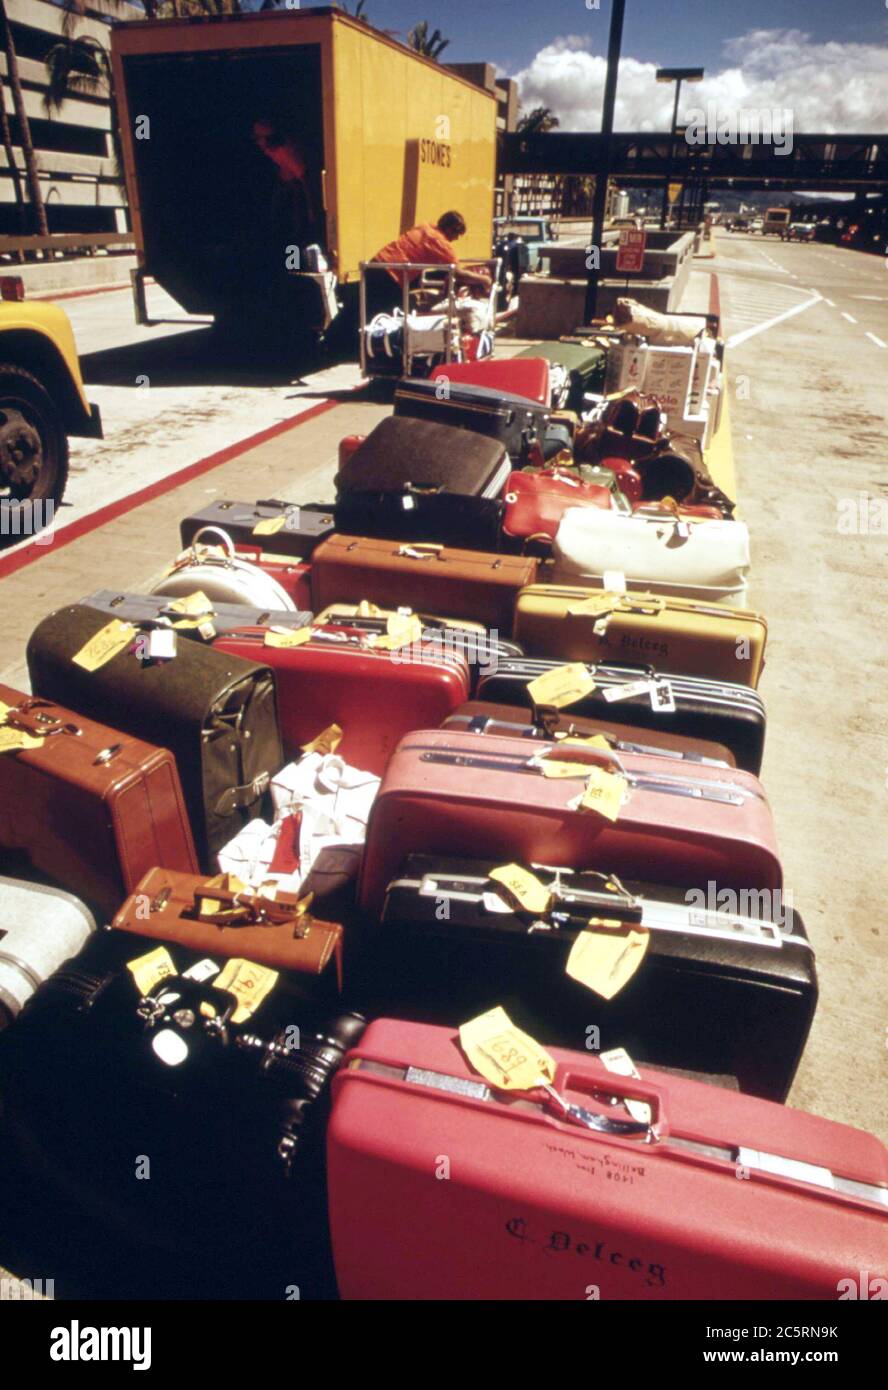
{"points": [[201, 357]]}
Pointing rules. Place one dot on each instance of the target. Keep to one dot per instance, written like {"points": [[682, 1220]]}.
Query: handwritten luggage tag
{"points": [[506, 1057], [401, 630], [148, 969], [196, 612], [14, 740], [104, 645], [524, 887], [249, 983], [270, 525], [604, 793]]}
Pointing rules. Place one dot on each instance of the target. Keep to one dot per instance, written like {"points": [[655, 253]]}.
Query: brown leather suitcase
{"points": [[90, 807], [167, 907], [216, 713], [430, 578], [515, 721]]}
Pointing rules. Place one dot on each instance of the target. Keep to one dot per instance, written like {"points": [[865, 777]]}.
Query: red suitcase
{"points": [[510, 1198], [515, 376], [92, 808], [536, 502], [376, 697], [293, 575], [452, 793]]}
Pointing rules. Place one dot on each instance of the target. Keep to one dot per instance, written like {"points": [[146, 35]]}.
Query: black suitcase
{"points": [[415, 480], [286, 528], [164, 1120], [725, 992], [718, 711], [153, 610], [215, 712], [516, 422]]}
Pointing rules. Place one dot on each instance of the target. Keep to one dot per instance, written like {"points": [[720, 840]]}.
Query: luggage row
{"points": [[510, 815]]}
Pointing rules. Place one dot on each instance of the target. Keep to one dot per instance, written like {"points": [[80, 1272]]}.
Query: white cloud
{"points": [[827, 86]]}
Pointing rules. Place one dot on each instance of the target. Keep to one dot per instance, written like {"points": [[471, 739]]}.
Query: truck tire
{"points": [[33, 454]]}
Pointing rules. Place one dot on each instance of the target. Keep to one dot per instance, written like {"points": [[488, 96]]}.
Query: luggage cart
{"points": [[423, 344]]}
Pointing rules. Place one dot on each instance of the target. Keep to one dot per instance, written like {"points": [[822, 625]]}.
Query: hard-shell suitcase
{"points": [[703, 560], [527, 377], [718, 711], [40, 928], [166, 907], [719, 990], [91, 807], [237, 575], [452, 793], [153, 610], [513, 721], [418, 480], [678, 635], [428, 578], [573, 1199], [482, 652], [289, 528], [517, 423], [374, 696], [215, 712], [582, 368], [536, 502], [219, 1114]]}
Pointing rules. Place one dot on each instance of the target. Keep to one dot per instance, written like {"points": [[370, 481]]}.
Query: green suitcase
{"points": [[584, 363]]}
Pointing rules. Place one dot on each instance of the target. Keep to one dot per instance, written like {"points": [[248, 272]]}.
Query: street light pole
{"points": [[603, 172], [676, 75]]}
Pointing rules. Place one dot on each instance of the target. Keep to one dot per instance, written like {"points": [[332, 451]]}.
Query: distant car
{"points": [[801, 231], [532, 231], [625, 222], [42, 401], [756, 225]]}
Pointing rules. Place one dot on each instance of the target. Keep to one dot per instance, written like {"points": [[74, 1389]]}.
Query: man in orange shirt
{"points": [[426, 244]]}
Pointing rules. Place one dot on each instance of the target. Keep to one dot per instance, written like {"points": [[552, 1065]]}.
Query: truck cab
{"points": [[776, 222]]}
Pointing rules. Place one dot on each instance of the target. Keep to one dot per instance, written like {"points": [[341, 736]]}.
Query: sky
{"points": [[825, 60]]}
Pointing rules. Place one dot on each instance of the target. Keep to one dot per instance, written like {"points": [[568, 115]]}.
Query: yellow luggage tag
{"points": [[14, 740], [605, 793], [270, 525], [104, 645], [326, 742], [147, 970], [401, 630], [249, 983], [286, 637], [620, 1063], [561, 687], [566, 740], [606, 955], [507, 1058], [526, 889]]}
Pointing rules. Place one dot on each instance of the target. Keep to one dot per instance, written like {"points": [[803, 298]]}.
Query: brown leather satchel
{"points": [[676, 468], [207, 914]]}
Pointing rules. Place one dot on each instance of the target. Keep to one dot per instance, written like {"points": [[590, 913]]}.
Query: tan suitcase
{"points": [[429, 578], [674, 635]]}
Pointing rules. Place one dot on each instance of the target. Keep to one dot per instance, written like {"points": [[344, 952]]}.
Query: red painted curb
{"points": [[78, 294], [34, 551]]}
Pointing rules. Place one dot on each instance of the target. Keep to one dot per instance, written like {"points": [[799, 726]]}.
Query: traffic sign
{"points": [[630, 252]]}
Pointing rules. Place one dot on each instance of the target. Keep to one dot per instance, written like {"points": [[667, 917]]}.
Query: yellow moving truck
{"points": [[216, 116]]}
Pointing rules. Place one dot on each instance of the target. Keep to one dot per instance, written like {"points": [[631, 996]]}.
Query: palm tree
{"points": [[357, 13], [77, 65], [12, 165], [429, 45], [25, 141]]}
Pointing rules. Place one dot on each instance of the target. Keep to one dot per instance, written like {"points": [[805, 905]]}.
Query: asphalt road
{"points": [[806, 327]]}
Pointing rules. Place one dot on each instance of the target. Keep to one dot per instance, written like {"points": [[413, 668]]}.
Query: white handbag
{"points": [[42, 928], [222, 575], [704, 560]]}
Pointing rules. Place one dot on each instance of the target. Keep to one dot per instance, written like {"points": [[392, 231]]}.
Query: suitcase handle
{"points": [[28, 717], [614, 1087], [594, 755]]}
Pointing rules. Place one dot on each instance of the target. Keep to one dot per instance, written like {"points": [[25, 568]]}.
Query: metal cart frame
{"points": [[408, 353]]}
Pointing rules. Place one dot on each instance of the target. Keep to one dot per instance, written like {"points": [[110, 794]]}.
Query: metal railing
{"points": [[380, 267], [66, 241]]}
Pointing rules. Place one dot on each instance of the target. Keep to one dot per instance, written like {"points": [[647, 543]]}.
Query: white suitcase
{"points": [[40, 928], [224, 578], [705, 560]]}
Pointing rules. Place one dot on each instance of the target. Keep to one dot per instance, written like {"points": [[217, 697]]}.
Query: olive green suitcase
{"points": [[584, 364]]}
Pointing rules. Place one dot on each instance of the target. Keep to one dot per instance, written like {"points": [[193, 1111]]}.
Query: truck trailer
{"points": [[251, 139]]}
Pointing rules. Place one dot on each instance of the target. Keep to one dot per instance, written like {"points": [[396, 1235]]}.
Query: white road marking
{"points": [[882, 298], [878, 341], [849, 317], [738, 338], [830, 303]]}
